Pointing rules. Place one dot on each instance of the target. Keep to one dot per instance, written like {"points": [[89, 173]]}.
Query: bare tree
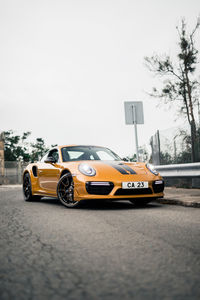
{"points": [[180, 83]]}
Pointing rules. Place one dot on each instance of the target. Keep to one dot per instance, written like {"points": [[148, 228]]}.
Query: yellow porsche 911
{"points": [[75, 173]]}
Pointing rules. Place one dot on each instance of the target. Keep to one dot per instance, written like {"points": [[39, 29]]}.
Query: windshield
{"points": [[77, 153]]}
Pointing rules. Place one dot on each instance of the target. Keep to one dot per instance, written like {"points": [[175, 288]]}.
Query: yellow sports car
{"points": [[75, 173]]}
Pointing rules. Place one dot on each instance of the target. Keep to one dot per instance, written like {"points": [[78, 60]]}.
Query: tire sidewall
{"points": [[30, 197], [76, 203]]}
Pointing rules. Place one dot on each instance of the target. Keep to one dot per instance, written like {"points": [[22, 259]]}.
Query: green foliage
{"points": [[143, 155], [132, 158], [17, 148], [166, 158], [38, 149], [182, 157], [185, 155]]}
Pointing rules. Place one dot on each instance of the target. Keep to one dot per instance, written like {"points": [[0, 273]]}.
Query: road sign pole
{"points": [[135, 127], [134, 115]]}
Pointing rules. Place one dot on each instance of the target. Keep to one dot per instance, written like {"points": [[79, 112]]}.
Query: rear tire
{"points": [[27, 189], [65, 191]]}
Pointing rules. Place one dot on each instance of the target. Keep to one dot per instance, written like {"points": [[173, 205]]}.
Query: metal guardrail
{"points": [[191, 170]]}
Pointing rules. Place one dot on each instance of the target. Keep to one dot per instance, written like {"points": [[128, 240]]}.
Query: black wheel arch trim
{"points": [[65, 171]]}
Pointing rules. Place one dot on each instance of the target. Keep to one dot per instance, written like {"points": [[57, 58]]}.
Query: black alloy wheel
{"points": [[27, 189], [65, 191]]}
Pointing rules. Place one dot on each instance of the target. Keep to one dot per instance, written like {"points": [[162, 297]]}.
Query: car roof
{"points": [[80, 146]]}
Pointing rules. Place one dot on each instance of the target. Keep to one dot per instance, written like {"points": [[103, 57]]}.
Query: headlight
{"points": [[152, 169], [86, 169]]}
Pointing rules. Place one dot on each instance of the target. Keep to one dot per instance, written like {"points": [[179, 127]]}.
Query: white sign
{"points": [[134, 109], [134, 115]]}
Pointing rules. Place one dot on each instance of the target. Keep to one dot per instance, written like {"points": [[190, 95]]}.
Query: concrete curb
{"points": [[10, 186], [194, 204], [181, 196]]}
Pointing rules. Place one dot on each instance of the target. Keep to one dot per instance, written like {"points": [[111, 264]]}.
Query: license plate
{"points": [[135, 185]]}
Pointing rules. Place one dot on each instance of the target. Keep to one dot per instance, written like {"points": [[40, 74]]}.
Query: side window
{"points": [[54, 153]]}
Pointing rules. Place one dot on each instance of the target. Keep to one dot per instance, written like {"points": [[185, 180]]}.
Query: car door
{"points": [[49, 173]]}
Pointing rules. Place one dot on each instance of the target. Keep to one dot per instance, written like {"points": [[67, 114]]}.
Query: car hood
{"points": [[124, 168], [113, 168]]}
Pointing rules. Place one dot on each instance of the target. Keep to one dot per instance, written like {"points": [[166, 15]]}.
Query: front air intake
{"points": [[99, 187], [158, 186]]}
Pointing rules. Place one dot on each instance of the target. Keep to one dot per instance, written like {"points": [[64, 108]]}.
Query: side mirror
{"points": [[50, 160]]}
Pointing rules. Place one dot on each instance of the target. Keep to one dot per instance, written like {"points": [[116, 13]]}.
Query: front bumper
{"points": [[86, 189]]}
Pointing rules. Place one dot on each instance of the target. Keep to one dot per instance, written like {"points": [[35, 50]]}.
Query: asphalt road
{"points": [[99, 251]]}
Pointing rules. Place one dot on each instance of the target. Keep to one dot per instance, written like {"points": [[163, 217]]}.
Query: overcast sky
{"points": [[67, 66]]}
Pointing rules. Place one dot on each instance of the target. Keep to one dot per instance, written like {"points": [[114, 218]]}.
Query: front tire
{"points": [[65, 191], [27, 189]]}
